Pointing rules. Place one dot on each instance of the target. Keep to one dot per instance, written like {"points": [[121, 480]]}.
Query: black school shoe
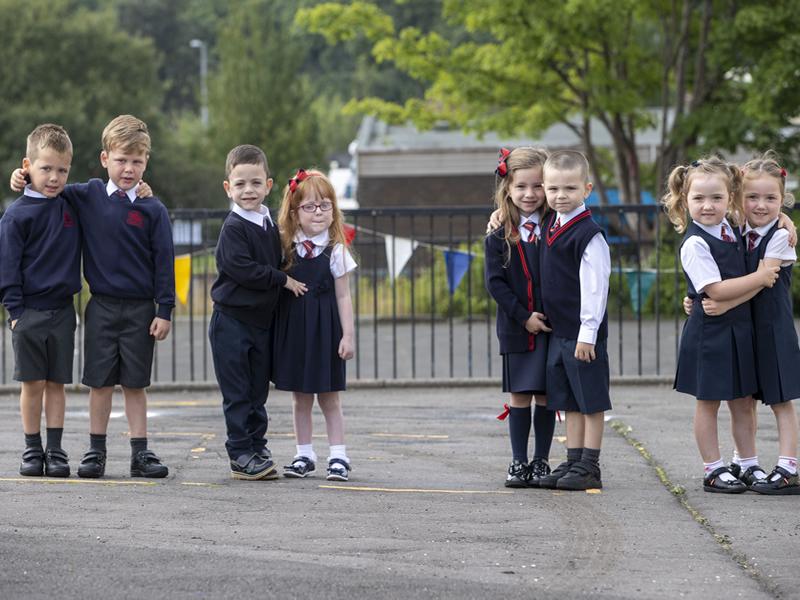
{"points": [[56, 463], [32, 464], [93, 464], [301, 467], [550, 480], [537, 468], [251, 467], [778, 483], [749, 476], [338, 469], [581, 476], [518, 474], [145, 463], [266, 454], [713, 483]]}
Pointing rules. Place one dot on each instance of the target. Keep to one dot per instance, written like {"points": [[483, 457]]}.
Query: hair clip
{"points": [[299, 177], [783, 173], [695, 163], [502, 165]]}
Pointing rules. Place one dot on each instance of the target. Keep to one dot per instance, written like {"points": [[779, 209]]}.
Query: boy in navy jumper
{"points": [[245, 295], [39, 274], [128, 261], [575, 267]]}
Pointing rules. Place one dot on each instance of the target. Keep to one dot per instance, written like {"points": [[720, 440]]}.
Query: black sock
{"points": [[574, 454], [97, 441], [138, 444], [544, 424], [54, 437], [33, 440], [519, 428], [591, 457]]}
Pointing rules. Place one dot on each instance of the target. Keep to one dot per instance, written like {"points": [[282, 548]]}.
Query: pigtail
{"points": [[674, 200], [288, 225], [736, 203]]}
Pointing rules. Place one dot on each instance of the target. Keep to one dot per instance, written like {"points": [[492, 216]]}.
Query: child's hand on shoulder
{"points": [[584, 352], [536, 323], [769, 275], [784, 222], [18, 180], [298, 288], [144, 190], [346, 348], [494, 221], [159, 328]]}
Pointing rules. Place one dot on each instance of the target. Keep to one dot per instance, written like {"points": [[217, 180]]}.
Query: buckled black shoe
{"points": [[251, 467], [93, 464], [338, 469], [32, 464], [736, 470], [550, 480], [301, 467], [538, 468], [145, 463], [266, 454], [713, 483], [56, 463], [778, 483], [581, 476], [518, 474], [749, 476]]}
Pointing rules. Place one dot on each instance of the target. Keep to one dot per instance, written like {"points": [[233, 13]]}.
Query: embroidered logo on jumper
{"points": [[68, 220], [135, 218]]}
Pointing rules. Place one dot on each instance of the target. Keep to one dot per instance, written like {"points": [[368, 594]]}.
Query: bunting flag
{"points": [[398, 252], [457, 263], [349, 234], [647, 279], [183, 276]]}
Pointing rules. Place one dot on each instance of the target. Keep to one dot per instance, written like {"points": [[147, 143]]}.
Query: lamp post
{"points": [[203, 47]]}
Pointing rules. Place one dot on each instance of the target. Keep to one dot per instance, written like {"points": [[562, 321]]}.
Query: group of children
{"points": [[547, 267], [125, 238]]}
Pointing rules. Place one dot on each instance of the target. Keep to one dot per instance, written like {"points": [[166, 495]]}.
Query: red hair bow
{"points": [[783, 173], [299, 177], [502, 165]]}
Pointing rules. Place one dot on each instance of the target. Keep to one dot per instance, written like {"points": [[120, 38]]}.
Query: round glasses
{"points": [[311, 207]]}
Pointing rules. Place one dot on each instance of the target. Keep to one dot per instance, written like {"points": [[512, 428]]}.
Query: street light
{"points": [[203, 47]]}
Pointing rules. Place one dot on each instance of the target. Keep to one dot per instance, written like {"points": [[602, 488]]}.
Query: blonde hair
{"points": [[569, 160], [767, 164], [288, 223], [524, 157], [126, 134], [679, 182], [47, 135]]}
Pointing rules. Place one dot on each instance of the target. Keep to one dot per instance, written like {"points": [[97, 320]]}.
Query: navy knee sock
{"points": [[519, 428], [544, 424], [54, 437], [33, 440]]}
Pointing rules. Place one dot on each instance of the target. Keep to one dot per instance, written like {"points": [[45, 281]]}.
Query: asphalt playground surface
{"points": [[424, 515]]}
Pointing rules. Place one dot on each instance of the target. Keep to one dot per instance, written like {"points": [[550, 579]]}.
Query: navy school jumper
{"points": [[716, 360], [777, 351]]}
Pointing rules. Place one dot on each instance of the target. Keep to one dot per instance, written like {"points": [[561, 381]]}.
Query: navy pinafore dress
{"points": [[716, 360], [777, 351], [308, 332]]}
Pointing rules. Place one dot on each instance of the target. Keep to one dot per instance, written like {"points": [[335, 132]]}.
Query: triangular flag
{"points": [[398, 251], [183, 276], [647, 278], [457, 264], [349, 234]]}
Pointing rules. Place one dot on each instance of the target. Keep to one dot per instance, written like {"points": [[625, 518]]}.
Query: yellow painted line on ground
{"points": [[204, 435], [414, 436], [594, 491], [197, 450], [291, 435], [351, 488], [168, 403], [198, 484], [110, 482], [561, 439]]}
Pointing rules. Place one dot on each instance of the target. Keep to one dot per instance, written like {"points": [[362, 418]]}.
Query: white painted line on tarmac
{"points": [[352, 488], [108, 482], [199, 484]]}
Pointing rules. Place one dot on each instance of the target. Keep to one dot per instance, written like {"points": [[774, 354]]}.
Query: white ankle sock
{"points": [[746, 463], [789, 463], [711, 467], [306, 450], [736, 460], [338, 451]]}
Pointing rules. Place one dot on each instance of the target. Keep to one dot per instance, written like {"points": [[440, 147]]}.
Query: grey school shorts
{"points": [[118, 347], [44, 345]]}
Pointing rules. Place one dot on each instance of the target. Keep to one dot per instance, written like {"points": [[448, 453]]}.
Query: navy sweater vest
{"points": [[127, 246], [249, 281], [560, 256], [40, 255]]}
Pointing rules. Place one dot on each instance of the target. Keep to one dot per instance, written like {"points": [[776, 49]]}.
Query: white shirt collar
{"points": [[31, 193], [255, 217], [565, 218], [716, 230], [321, 239], [761, 231], [533, 218], [112, 187]]}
